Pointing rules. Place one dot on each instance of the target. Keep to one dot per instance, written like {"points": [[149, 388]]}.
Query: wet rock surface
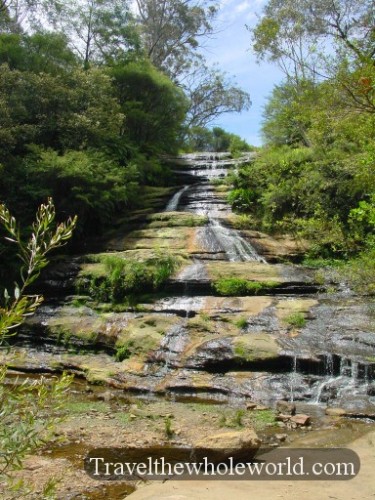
{"points": [[283, 338]]}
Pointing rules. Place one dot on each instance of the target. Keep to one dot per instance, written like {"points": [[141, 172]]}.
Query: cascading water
{"points": [[173, 203], [230, 242], [202, 200]]}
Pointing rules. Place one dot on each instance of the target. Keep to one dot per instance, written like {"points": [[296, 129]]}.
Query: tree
{"points": [[22, 431], [286, 117], [211, 94], [322, 39], [98, 30], [171, 31], [153, 105], [72, 111], [15, 13], [217, 139], [41, 52]]}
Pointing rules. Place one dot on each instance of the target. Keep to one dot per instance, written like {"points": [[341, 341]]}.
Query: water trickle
{"points": [[230, 242], [328, 364], [172, 205], [323, 386], [293, 379]]}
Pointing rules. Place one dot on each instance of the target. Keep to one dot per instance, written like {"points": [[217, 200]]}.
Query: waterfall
{"points": [[292, 379], [236, 248], [202, 199], [173, 203]]}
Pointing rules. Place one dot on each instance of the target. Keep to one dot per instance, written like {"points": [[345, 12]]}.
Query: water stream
{"points": [[328, 361], [200, 198], [337, 375]]}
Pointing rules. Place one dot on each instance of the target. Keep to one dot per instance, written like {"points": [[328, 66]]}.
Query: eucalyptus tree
{"points": [[322, 39], [173, 30], [173, 33], [14, 14], [212, 93], [98, 30]]}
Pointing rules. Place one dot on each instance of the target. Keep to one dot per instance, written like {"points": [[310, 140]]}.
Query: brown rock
{"points": [[300, 420], [237, 444], [283, 418], [281, 437], [286, 408], [335, 412]]}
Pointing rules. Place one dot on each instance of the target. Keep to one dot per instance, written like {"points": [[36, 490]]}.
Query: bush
{"points": [[124, 279], [296, 320], [232, 287]]}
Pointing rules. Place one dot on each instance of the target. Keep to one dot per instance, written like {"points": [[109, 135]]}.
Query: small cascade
{"points": [[292, 379], [327, 379], [174, 202], [328, 364], [171, 348], [322, 387], [232, 243]]}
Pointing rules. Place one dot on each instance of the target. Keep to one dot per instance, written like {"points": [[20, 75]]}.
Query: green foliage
{"points": [[124, 278], [316, 196], [232, 287], [360, 271], [154, 107], [215, 139], [87, 183], [168, 428], [32, 253], [241, 323], [28, 414], [242, 199], [296, 320], [37, 53], [28, 410], [123, 352], [315, 180]]}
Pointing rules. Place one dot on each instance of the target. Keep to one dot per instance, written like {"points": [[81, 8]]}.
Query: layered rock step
{"points": [[227, 325]]}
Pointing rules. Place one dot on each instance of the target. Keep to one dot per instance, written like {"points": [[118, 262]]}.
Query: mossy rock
{"points": [[292, 312], [255, 347], [251, 271], [144, 334]]}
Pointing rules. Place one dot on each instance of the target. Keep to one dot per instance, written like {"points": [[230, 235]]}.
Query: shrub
{"points": [[296, 320], [123, 352], [232, 287], [124, 279]]}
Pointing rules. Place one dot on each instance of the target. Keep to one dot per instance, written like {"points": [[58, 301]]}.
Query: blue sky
{"points": [[230, 49]]}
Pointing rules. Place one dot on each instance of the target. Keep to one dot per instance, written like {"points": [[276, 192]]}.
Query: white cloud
{"points": [[242, 7]]}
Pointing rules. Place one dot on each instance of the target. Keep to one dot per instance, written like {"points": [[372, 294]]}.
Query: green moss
{"points": [[83, 407], [241, 323], [181, 219], [261, 418], [232, 287], [296, 320], [255, 347], [124, 351], [243, 352], [116, 279]]}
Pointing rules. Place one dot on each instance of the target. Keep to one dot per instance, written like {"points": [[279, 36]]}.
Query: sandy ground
{"points": [[362, 487]]}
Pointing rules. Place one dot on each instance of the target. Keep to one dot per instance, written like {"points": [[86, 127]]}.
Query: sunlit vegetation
{"points": [[315, 179]]}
